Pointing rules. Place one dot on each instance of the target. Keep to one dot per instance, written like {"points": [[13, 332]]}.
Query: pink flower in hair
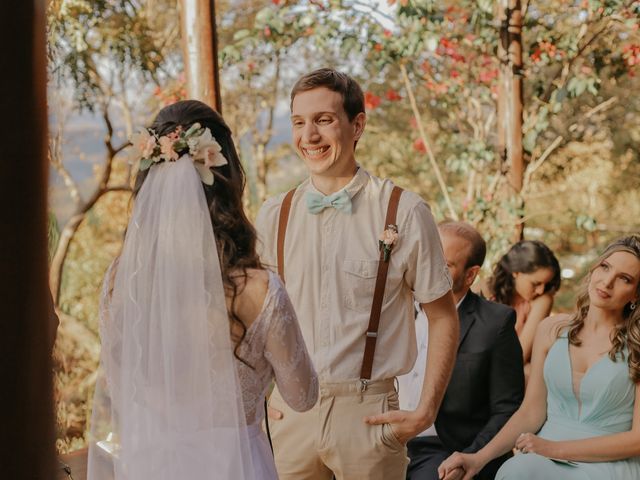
{"points": [[166, 148]]}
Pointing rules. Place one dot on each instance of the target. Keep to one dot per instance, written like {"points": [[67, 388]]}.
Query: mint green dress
{"points": [[607, 395]]}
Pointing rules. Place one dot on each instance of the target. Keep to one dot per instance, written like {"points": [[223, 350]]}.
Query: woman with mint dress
{"points": [[579, 418]]}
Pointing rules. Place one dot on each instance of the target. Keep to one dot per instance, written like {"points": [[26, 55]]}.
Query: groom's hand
{"points": [[404, 424], [274, 414]]}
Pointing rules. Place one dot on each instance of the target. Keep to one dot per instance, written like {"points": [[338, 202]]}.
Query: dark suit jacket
{"points": [[487, 384]]}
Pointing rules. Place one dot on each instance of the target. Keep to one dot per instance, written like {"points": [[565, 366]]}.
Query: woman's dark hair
{"points": [[526, 256], [235, 236]]}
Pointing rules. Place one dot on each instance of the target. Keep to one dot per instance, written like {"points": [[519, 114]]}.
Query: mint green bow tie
{"points": [[316, 202]]}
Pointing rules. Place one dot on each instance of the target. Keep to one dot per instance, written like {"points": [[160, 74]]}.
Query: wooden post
{"points": [[25, 331], [200, 50], [510, 97]]}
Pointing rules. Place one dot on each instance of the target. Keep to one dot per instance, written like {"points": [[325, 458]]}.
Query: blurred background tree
{"points": [[113, 64]]}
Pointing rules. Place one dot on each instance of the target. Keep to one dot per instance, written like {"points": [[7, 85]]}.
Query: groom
{"points": [[351, 290]]}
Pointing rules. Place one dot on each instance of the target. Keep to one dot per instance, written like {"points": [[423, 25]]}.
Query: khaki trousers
{"points": [[332, 438]]}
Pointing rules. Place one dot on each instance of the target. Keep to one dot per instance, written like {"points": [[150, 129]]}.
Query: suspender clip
{"points": [[364, 383]]}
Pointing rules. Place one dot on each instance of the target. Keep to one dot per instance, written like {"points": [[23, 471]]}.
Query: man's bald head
{"points": [[463, 230], [464, 250]]}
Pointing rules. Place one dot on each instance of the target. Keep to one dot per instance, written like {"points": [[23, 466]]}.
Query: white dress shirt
{"points": [[410, 385], [331, 263]]}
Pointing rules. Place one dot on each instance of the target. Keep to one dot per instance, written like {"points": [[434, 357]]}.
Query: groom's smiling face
{"points": [[323, 135]]}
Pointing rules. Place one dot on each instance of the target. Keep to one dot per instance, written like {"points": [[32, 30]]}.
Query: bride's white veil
{"points": [[168, 403]]}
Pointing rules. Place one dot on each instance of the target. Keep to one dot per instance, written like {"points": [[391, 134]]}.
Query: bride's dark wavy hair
{"points": [[526, 256], [625, 333], [235, 236]]}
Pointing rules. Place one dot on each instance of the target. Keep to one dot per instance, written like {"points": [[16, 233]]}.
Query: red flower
{"points": [[455, 74], [536, 56], [631, 54], [371, 101], [378, 47], [487, 76], [276, 2], [548, 47], [387, 33], [392, 95], [419, 145], [267, 31], [438, 88]]}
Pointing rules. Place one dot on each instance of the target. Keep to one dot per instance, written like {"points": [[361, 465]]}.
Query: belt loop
{"points": [[396, 385]]}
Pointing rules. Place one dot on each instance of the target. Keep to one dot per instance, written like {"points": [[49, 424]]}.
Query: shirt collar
{"points": [[356, 183], [461, 300]]}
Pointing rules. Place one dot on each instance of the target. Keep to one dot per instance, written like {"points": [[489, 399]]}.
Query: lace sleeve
{"points": [[286, 351]]}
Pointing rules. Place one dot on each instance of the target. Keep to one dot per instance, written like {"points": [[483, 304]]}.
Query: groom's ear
{"points": [[358, 124]]}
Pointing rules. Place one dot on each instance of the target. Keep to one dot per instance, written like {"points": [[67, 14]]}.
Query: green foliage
{"points": [[577, 56], [86, 38]]}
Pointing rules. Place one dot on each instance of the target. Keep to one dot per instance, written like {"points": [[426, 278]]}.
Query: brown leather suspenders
{"points": [[381, 278], [283, 219], [378, 294]]}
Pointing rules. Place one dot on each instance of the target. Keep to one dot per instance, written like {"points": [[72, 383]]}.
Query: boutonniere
{"points": [[387, 240]]}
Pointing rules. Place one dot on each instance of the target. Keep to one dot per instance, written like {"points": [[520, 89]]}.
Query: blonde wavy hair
{"points": [[628, 331]]}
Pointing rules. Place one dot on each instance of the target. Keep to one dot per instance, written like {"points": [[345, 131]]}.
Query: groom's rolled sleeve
{"points": [[426, 271]]}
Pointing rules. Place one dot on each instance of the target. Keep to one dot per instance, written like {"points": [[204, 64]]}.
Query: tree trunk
{"points": [[60, 255], [200, 51], [82, 208], [25, 332], [510, 101]]}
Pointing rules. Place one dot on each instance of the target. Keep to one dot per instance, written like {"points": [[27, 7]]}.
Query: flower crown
{"points": [[205, 151]]}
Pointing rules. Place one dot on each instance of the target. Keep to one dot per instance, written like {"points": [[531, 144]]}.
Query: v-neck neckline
{"points": [[578, 396]]}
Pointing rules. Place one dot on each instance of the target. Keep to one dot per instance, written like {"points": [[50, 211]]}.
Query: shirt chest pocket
{"points": [[359, 277]]}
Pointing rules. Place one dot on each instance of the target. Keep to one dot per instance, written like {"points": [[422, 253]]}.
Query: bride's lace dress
{"points": [[273, 349]]}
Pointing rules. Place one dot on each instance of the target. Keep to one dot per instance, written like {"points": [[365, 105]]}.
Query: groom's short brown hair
{"points": [[352, 96]]}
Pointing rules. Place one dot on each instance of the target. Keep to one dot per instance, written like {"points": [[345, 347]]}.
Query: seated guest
{"points": [[487, 384], [526, 278], [580, 418]]}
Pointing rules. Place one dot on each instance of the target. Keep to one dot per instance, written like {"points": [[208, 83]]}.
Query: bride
{"points": [[193, 329]]}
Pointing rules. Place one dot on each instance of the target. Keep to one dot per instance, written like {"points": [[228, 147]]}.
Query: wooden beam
{"points": [[510, 97], [200, 51], [25, 332]]}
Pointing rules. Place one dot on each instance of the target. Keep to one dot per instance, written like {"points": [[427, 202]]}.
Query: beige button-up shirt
{"points": [[331, 262]]}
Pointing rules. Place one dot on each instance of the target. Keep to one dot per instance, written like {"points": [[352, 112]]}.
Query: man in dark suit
{"points": [[487, 384]]}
